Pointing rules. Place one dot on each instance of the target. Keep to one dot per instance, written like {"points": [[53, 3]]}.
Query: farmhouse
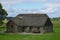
{"points": [[30, 23]]}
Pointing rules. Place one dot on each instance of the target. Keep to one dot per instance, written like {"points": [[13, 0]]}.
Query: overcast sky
{"points": [[15, 7]]}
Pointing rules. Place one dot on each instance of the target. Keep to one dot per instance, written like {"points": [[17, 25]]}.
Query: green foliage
{"points": [[55, 19], [3, 14], [0, 6], [2, 28]]}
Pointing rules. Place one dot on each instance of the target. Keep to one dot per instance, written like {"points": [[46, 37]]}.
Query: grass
{"points": [[2, 28], [47, 36]]}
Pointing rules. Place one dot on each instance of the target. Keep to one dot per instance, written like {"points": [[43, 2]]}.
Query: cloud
{"points": [[48, 10], [35, 0], [48, 6], [28, 10], [10, 2], [12, 12], [58, 1], [19, 1], [52, 5]]}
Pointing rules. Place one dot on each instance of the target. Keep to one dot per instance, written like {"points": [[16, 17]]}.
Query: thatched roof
{"points": [[30, 19]]}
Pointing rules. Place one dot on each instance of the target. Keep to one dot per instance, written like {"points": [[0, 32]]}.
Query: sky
{"points": [[15, 7]]}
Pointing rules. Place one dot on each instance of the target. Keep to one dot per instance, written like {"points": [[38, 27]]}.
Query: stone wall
{"points": [[42, 30], [27, 29], [49, 28], [35, 30], [11, 28]]}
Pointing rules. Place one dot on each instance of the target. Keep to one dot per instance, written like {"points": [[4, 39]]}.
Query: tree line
{"points": [[55, 19]]}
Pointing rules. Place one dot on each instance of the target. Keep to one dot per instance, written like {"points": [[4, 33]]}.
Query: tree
{"points": [[3, 14]]}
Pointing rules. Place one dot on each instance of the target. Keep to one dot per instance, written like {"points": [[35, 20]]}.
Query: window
{"points": [[12, 26]]}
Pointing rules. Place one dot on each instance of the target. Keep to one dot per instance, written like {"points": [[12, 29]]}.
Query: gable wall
{"points": [[11, 27], [48, 26]]}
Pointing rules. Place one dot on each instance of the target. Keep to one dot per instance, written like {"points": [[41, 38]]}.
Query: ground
{"points": [[47, 36]]}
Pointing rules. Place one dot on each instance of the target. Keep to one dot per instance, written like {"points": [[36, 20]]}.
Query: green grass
{"points": [[2, 28], [47, 36]]}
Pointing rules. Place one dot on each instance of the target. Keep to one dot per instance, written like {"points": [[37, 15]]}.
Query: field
{"points": [[47, 36]]}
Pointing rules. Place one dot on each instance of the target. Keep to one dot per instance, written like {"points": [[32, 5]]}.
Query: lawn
{"points": [[47, 36]]}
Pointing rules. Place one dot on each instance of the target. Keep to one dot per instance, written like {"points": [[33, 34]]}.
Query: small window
{"points": [[12, 26]]}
